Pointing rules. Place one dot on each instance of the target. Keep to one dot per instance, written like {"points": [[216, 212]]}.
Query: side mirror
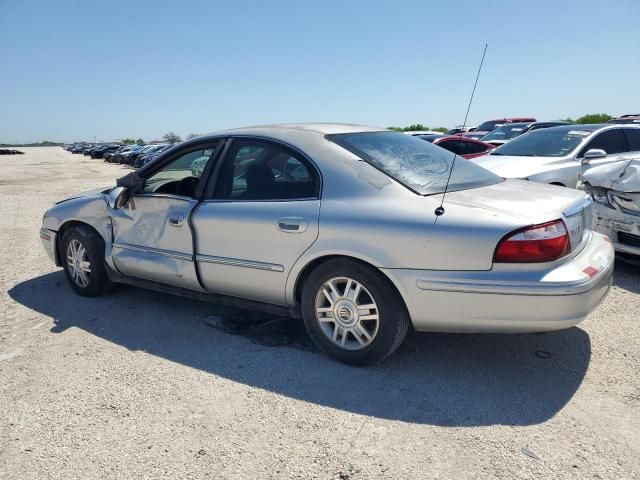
{"points": [[118, 197], [593, 153]]}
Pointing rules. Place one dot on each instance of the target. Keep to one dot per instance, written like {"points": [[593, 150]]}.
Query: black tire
{"points": [[393, 318], [98, 281]]}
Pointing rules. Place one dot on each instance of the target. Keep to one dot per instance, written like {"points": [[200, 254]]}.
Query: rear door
{"points": [[257, 220]]}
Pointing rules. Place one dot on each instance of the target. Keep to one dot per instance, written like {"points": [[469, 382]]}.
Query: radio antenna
{"points": [[440, 210]]}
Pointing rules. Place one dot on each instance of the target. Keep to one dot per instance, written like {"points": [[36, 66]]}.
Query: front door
{"points": [[261, 217], [152, 235]]}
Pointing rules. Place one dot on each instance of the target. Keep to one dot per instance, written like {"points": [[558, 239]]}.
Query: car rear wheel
{"points": [[82, 254], [353, 313]]}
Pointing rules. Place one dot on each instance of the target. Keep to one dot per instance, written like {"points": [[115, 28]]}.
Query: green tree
{"points": [[440, 129], [128, 141], [172, 137], [415, 127], [594, 118], [140, 141]]}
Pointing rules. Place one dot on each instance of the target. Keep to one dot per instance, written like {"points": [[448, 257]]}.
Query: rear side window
{"points": [[256, 170], [611, 141], [633, 139]]}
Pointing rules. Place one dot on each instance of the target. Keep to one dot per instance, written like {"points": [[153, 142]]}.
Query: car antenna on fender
{"points": [[440, 210]]}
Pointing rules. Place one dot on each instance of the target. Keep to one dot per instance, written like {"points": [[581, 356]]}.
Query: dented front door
{"points": [[152, 239]]}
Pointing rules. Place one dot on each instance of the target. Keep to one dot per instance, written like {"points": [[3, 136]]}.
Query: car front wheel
{"points": [[82, 254], [353, 313]]}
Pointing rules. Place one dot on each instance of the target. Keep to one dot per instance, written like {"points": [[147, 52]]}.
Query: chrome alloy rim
{"points": [[347, 313], [78, 263]]}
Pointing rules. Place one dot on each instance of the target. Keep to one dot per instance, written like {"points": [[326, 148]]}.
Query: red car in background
{"points": [[464, 146]]}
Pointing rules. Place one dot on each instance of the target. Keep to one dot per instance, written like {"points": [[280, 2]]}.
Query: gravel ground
{"points": [[137, 384]]}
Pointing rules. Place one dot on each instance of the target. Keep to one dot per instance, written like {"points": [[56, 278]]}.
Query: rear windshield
{"points": [[418, 165], [505, 132], [546, 142]]}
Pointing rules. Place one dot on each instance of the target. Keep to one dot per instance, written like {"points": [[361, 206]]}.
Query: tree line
{"points": [[585, 119]]}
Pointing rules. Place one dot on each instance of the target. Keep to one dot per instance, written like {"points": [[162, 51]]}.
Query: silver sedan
{"points": [[345, 227]]}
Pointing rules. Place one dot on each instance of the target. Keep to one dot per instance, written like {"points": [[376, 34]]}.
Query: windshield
{"points": [[488, 126], [547, 142], [504, 132], [418, 165]]}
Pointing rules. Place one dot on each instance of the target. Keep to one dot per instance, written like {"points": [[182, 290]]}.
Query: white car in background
{"points": [[555, 155]]}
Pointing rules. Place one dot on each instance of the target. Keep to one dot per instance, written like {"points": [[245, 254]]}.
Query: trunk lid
{"points": [[530, 203]]}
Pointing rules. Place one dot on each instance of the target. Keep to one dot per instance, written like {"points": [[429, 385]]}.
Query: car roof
{"points": [[556, 123], [516, 124], [591, 127], [321, 128], [511, 119]]}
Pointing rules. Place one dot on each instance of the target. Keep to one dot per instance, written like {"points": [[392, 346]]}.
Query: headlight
{"points": [[600, 195]]}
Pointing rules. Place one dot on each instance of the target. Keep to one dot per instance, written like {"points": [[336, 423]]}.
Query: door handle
{"points": [[292, 224], [176, 221]]}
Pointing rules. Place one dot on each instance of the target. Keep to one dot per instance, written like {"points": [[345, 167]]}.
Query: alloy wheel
{"points": [[78, 263], [347, 313]]}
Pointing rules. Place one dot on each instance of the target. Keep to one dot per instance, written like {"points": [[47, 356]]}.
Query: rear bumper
{"points": [[48, 238], [509, 298]]}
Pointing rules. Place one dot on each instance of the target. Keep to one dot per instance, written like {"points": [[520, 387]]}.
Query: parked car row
{"points": [[134, 155], [475, 142]]}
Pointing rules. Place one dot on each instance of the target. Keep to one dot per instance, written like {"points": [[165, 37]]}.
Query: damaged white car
{"points": [[615, 189]]}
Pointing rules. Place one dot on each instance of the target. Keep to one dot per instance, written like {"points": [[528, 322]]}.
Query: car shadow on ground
{"points": [[627, 273], [438, 379]]}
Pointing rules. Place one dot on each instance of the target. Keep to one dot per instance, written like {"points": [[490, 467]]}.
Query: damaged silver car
{"points": [[615, 189], [344, 226]]}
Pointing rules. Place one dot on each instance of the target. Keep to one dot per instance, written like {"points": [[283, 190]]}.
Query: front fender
{"points": [[91, 210]]}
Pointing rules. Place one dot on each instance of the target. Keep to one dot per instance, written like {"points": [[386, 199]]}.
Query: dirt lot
{"points": [[137, 385]]}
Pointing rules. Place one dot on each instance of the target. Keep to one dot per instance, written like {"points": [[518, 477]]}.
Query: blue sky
{"points": [[73, 70]]}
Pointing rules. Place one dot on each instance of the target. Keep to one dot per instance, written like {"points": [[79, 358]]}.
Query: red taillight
{"points": [[537, 243]]}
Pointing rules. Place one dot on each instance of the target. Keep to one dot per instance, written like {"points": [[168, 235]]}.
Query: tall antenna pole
{"points": [[440, 210]]}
